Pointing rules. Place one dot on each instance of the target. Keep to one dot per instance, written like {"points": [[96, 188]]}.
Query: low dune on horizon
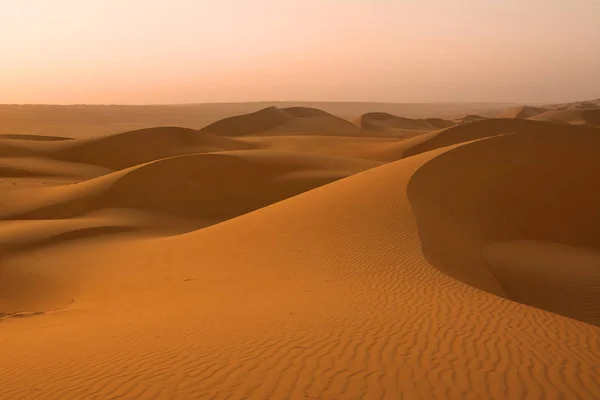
{"points": [[84, 121], [300, 251]]}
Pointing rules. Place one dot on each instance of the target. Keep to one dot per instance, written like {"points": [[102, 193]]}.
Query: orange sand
{"points": [[277, 256]]}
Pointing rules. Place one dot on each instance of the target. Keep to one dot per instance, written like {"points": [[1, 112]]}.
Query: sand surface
{"points": [[291, 254]]}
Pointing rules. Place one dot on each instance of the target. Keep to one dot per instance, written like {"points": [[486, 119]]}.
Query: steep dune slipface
{"points": [[495, 213], [326, 295]]}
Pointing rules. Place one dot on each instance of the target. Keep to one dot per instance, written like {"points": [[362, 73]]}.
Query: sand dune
{"points": [[389, 149], [487, 128], [464, 268], [471, 198], [207, 188], [522, 112], [384, 121], [571, 115], [286, 121], [11, 167], [136, 147], [32, 137], [84, 121], [332, 298], [471, 118]]}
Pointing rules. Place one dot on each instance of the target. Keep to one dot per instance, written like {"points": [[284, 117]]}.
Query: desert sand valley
{"points": [[300, 251]]}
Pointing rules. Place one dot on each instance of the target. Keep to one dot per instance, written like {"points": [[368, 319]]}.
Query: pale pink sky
{"points": [[187, 51]]}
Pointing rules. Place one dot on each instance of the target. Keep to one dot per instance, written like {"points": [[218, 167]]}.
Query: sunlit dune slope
{"points": [[325, 295]]}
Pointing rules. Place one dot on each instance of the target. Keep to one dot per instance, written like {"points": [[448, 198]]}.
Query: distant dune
{"points": [[522, 112], [275, 121], [385, 121], [575, 116], [470, 118], [287, 253], [84, 121]]}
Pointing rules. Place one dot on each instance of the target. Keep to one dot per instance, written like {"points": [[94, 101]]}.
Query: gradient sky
{"points": [[188, 51]]}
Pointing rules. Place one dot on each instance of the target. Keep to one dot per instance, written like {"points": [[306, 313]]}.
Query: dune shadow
{"points": [[530, 187]]}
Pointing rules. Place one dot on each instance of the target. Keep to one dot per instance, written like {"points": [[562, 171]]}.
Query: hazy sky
{"points": [[185, 51]]}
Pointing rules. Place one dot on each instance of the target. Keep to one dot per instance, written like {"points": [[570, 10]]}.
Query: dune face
{"points": [[480, 196], [290, 254]]}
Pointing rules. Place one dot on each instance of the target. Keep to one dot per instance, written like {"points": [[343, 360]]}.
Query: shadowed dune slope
{"points": [[249, 124], [136, 147], [389, 149], [43, 138], [487, 128], [325, 295], [41, 167], [522, 112], [385, 121], [495, 196], [25, 148], [208, 188]]}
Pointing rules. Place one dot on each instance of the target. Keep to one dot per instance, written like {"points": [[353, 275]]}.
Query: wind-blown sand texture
{"points": [[288, 254]]}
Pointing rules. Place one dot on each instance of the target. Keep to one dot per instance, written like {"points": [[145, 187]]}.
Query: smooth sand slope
{"points": [[286, 121], [207, 188], [494, 212], [572, 115], [136, 147], [336, 293], [385, 122]]}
